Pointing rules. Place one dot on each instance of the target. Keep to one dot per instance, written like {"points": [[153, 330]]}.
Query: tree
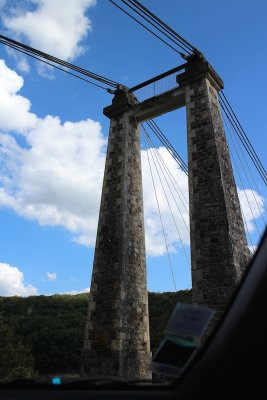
{"points": [[16, 360]]}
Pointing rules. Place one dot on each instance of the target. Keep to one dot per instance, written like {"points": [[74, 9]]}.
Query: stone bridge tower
{"points": [[219, 252], [117, 327]]}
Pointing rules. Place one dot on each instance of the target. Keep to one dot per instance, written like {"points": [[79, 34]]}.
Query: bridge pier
{"points": [[219, 251], [117, 342]]}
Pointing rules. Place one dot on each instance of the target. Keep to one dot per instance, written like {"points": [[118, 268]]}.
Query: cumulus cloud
{"points": [[73, 292], [10, 100], [56, 178], [252, 205], [174, 212], [46, 71], [56, 27], [55, 175], [12, 282], [22, 62], [51, 276], [23, 65]]}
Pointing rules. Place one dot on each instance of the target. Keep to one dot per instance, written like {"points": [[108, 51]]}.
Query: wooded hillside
{"points": [[53, 326]]}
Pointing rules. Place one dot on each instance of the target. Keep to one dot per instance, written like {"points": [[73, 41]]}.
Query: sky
{"points": [[53, 134]]}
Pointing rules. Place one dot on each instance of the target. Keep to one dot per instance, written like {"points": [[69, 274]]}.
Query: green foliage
{"points": [[16, 360], [161, 306], [52, 327]]}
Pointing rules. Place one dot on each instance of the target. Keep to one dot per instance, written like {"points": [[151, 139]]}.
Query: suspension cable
{"points": [[156, 26], [244, 170], [163, 139], [55, 66], [244, 190], [140, 23], [222, 95], [183, 165], [157, 23], [163, 24], [247, 230], [176, 187], [7, 41], [243, 215], [161, 220], [160, 135], [155, 157], [169, 206], [245, 142]]}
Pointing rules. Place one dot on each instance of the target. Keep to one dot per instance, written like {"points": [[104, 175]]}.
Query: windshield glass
{"points": [[123, 200]]}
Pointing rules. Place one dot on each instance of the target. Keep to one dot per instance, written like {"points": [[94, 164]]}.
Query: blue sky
{"points": [[53, 133]]}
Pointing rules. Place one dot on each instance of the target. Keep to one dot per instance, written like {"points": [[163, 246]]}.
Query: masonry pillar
{"points": [[117, 328], [219, 249]]}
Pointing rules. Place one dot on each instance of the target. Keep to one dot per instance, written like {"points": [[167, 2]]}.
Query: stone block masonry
{"points": [[219, 251], [116, 342]]}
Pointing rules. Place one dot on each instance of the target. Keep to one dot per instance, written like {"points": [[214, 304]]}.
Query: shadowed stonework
{"points": [[219, 251], [117, 328]]}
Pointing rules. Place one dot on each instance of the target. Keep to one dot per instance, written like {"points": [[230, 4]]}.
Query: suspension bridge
{"points": [[117, 329]]}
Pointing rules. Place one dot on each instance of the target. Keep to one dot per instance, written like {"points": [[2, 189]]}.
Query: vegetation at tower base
{"points": [[16, 360], [50, 330]]}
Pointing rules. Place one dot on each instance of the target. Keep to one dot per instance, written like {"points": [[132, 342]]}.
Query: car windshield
{"points": [[130, 208]]}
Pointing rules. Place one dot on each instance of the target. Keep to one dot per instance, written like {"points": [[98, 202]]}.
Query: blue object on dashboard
{"points": [[56, 381]]}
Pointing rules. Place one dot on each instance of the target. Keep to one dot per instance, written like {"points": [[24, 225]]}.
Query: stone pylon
{"points": [[219, 251], [117, 342]]}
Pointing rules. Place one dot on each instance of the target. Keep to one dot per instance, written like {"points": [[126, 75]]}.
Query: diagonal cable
{"points": [[161, 220], [169, 206], [243, 138], [175, 185], [244, 170]]}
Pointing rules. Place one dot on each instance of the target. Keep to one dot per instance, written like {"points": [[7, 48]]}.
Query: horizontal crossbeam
{"points": [[160, 104]]}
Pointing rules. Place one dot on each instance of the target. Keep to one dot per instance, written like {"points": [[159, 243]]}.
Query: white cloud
{"points": [[51, 276], [22, 61], [10, 84], [177, 233], [55, 27], [252, 205], [12, 282], [10, 81], [23, 65], [83, 239], [73, 292], [55, 177], [46, 71], [155, 244]]}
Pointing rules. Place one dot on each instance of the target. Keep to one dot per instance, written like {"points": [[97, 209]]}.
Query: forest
{"points": [[42, 335]]}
